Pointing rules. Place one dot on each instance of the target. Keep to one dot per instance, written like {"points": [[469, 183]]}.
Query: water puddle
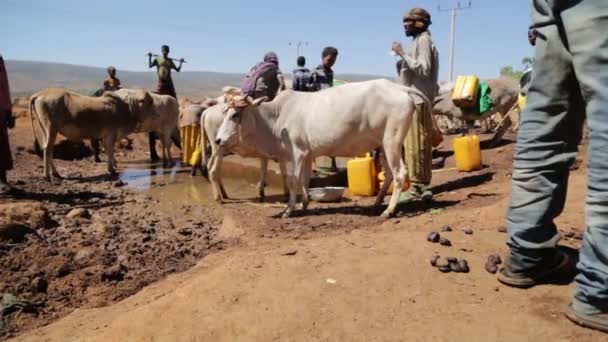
{"points": [[174, 186]]}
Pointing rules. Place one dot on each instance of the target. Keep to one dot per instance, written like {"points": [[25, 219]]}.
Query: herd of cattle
{"points": [[293, 129]]}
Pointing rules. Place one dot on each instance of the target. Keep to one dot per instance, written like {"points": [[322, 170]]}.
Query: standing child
{"points": [[112, 83], [323, 78], [301, 76]]}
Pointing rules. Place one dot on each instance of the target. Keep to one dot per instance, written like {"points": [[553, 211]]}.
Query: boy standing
{"points": [[323, 78], [112, 83], [301, 76]]}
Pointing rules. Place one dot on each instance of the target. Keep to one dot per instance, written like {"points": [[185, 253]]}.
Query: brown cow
{"points": [[79, 117]]}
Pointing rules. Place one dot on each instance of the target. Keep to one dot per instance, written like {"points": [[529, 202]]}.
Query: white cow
{"points": [[211, 121], [344, 121], [163, 120]]}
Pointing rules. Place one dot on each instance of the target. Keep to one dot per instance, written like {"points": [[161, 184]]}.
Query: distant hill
{"points": [[27, 77]]}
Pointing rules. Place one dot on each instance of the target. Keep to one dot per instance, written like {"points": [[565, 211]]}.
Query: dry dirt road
{"points": [[339, 273]]}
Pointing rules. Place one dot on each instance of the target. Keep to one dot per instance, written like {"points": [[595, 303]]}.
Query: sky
{"points": [[232, 35]]}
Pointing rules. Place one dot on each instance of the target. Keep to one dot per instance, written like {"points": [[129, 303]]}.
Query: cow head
{"points": [[140, 102], [238, 116]]}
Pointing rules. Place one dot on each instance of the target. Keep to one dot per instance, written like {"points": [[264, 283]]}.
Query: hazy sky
{"points": [[232, 35]]}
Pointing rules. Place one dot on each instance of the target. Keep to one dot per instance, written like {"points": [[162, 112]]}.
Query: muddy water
{"points": [[175, 187]]}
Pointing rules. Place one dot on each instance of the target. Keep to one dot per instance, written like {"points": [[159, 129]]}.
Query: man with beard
{"points": [[419, 69]]}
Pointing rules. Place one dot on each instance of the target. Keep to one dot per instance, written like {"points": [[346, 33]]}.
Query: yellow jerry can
{"points": [[361, 173], [521, 101], [381, 177], [467, 153], [465, 91]]}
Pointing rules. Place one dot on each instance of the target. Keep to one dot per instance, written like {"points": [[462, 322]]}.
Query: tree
{"points": [[508, 71], [527, 62]]}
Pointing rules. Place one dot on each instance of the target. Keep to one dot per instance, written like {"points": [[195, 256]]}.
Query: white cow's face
{"points": [[227, 135], [236, 116]]}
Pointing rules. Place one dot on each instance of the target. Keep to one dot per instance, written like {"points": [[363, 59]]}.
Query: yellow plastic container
{"points": [[381, 177], [191, 144], [361, 173], [521, 101], [465, 91], [467, 153]]}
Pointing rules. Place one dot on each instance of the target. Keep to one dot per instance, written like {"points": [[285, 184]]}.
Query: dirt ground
{"points": [[158, 260]]}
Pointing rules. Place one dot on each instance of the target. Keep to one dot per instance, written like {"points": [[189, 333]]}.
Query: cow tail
{"points": [[33, 112]]}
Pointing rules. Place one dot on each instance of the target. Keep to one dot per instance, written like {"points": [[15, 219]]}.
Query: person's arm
{"points": [[179, 68], [151, 63], [314, 81], [421, 65], [281, 81]]}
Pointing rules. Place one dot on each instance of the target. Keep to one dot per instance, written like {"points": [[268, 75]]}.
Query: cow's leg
{"points": [[49, 144], [262, 182], [306, 173], [294, 182], [109, 142], [220, 162], [283, 167], [166, 142], [502, 129], [392, 149], [213, 177], [388, 178], [215, 171], [95, 145]]}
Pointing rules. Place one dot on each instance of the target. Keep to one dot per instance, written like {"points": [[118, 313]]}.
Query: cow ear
{"points": [[259, 101]]}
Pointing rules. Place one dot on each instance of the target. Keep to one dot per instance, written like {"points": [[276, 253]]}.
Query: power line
{"points": [[453, 11]]}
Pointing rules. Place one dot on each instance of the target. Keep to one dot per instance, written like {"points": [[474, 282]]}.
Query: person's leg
{"points": [[418, 154], [585, 27], [546, 147]]}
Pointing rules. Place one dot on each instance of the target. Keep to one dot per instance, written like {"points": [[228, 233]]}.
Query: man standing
{"points": [[570, 79], [301, 76], [164, 86], [6, 121], [323, 78], [419, 69]]}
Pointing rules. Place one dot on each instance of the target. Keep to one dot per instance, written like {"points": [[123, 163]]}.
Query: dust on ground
{"points": [[153, 257]]}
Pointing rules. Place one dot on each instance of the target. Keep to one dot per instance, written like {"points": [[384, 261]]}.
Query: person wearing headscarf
{"points": [[264, 79]]}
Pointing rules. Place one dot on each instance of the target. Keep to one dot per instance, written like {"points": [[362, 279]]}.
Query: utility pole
{"points": [[453, 11], [298, 45]]}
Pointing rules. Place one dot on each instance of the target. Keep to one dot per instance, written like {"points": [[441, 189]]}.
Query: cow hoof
{"points": [[97, 160], [386, 214]]}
